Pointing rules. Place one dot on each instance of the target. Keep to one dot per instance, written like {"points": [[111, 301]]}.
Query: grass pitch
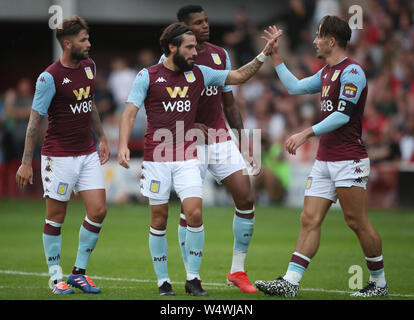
{"points": [[121, 264]]}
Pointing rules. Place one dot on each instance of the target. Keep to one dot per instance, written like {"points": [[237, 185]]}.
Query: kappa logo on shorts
{"points": [[62, 188], [309, 183], [155, 186]]}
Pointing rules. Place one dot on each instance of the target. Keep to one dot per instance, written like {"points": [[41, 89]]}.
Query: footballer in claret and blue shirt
{"points": [[170, 92]]}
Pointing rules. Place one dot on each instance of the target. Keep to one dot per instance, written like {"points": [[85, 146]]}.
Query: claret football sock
{"points": [[297, 267], [182, 233], [243, 224], [159, 252], [88, 236], [194, 244], [376, 270]]}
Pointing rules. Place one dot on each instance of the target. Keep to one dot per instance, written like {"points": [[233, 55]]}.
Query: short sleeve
{"points": [[353, 82], [45, 91], [227, 88], [213, 77], [139, 88], [162, 58]]}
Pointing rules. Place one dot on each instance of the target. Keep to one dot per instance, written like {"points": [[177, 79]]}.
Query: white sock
{"points": [[191, 276], [161, 281], [238, 261]]}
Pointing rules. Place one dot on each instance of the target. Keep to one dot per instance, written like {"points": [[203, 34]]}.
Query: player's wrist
{"points": [[261, 57], [277, 60]]}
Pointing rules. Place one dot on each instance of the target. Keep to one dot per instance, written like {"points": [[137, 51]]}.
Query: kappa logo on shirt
{"points": [[66, 80], [160, 79]]}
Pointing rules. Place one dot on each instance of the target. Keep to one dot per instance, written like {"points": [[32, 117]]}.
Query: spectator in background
{"points": [[17, 108], [274, 178], [3, 185], [240, 39], [297, 19], [383, 148], [145, 58], [106, 106], [120, 81], [407, 142]]}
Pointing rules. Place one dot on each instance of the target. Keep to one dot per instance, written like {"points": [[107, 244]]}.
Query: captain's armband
{"points": [[346, 107]]}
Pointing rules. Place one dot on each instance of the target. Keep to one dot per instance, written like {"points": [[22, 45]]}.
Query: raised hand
{"points": [[272, 39]]}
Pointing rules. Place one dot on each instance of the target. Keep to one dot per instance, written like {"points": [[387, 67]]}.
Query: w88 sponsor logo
{"points": [[179, 106], [82, 107]]}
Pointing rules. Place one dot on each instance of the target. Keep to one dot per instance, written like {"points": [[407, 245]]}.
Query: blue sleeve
{"points": [[213, 77], [294, 86], [353, 82], [162, 58], [227, 88], [45, 91], [332, 122], [139, 88]]}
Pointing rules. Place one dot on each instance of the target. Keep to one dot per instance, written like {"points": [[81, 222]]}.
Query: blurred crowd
{"points": [[384, 46]]}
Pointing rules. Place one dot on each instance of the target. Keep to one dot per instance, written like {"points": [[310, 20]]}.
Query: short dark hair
{"points": [[337, 28], [184, 12], [70, 27], [173, 34]]}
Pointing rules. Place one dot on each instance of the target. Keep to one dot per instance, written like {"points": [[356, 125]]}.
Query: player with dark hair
{"points": [[70, 161], [342, 165], [170, 92], [216, 155]]}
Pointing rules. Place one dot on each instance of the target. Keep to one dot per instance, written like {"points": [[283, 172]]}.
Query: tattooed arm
{"points": [[24, 174], [244, 73], [104, 153]]}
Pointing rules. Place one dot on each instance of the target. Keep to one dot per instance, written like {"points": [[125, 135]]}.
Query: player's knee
{"points": [[353, 223], [245, 202], [194, 216], [98, 215], [309, 220]]}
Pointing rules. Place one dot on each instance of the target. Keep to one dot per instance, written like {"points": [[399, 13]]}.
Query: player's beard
{"points": [[182, 63], [77, 54]]}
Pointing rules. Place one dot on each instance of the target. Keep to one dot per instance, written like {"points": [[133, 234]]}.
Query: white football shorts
{"points": [[326, 176], [221, 159], [62, 175], [158, 178]]}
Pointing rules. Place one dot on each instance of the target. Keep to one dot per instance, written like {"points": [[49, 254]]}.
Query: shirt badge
{"points": [[335, 75], [89, 73], [189, 76], [216, 58]]}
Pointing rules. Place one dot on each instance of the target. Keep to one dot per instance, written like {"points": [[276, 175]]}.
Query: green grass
{"points": [[122, 252]]}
